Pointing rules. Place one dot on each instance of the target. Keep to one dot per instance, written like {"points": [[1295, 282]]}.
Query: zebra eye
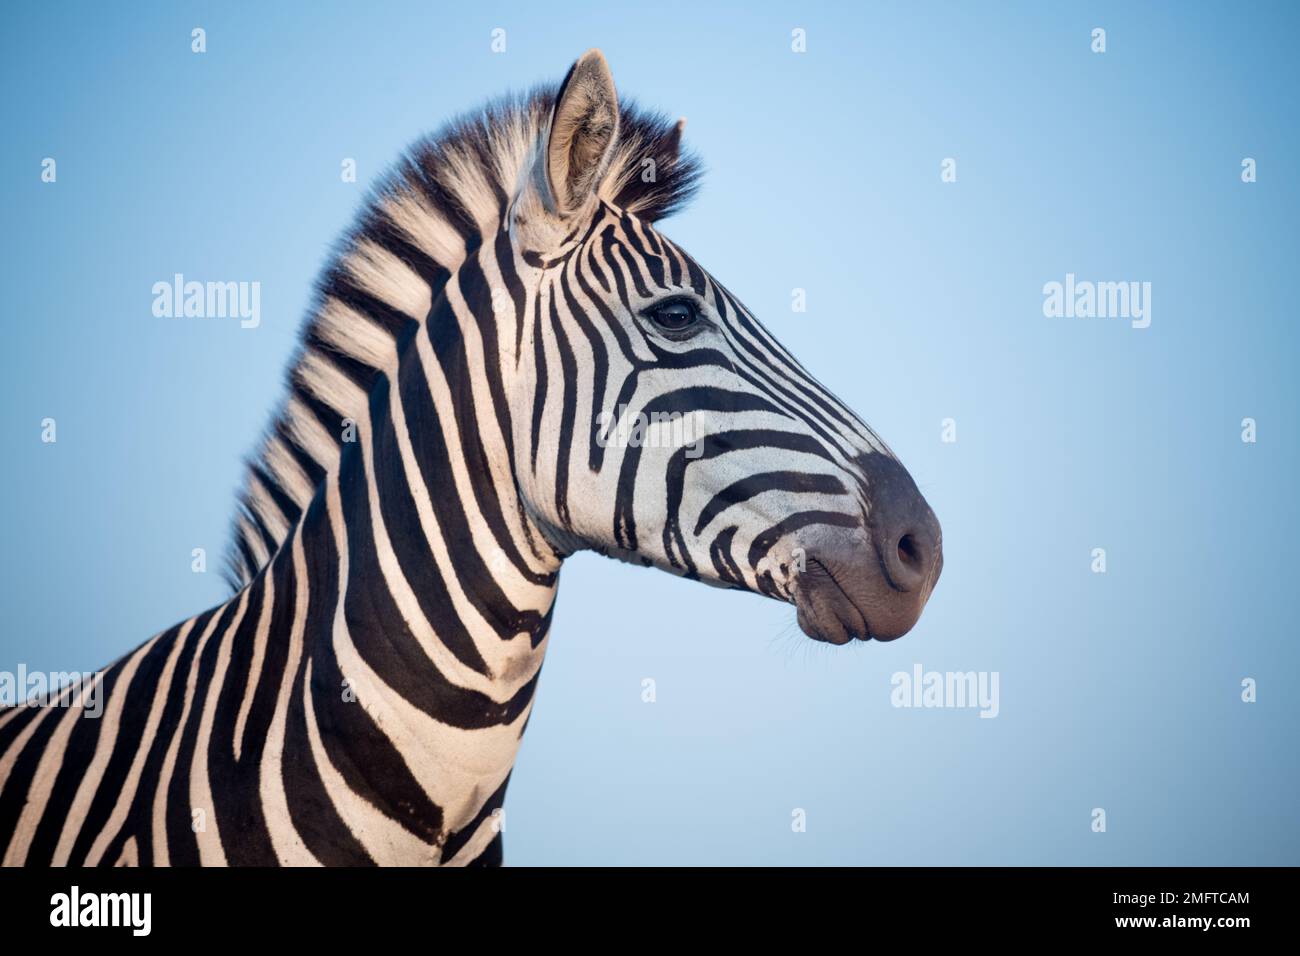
{"points": [[674, 316]]}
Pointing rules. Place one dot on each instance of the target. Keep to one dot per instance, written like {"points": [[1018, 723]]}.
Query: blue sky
{"points": [[1119, 690]]}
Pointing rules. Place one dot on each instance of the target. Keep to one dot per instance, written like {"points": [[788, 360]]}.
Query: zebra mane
{"points": [[422, 219]]}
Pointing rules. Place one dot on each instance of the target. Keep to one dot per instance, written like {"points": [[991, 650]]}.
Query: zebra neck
{"points": [[429, 602]]}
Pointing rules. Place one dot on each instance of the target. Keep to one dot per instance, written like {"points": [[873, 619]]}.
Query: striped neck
{"points": [[425, 599], [362, 699]]}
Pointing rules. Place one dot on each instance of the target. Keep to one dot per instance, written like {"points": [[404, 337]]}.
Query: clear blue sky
{"points": [[1119, 691]]}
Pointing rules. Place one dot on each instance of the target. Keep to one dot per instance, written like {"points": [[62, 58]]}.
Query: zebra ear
{"points": [[584, 126], [673, 144]]}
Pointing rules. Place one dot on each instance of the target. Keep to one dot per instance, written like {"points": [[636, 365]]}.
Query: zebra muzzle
{"points": [[871, 583]]}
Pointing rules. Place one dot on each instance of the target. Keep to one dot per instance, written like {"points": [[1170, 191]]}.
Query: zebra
{"points": [[461, 415]]}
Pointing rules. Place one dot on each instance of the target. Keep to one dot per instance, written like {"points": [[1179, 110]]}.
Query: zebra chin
{"points": [[848, 590]]}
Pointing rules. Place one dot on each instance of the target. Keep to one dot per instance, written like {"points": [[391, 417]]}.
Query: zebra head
{"points": [[662, 424]]}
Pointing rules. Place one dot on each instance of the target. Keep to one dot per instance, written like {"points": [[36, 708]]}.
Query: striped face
{"points": [[665, 426]]}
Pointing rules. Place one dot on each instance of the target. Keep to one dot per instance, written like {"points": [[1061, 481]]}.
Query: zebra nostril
{"points": [[904, 530], [909, 559], [909, 552]]}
